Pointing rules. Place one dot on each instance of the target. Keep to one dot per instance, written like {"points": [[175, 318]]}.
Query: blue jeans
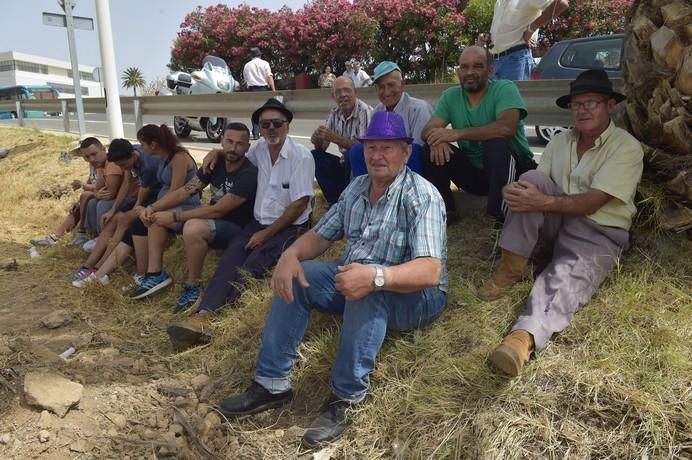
{"points": [[363, 329], [514, 66], [332, 174]]}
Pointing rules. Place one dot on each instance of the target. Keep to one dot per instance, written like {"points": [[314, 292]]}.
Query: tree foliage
{"points": [[585, 19], [132, 78], [423, 36]]}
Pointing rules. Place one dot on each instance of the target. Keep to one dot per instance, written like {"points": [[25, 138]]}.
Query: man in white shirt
{"points": [[360, 77], [349, 69], [281, 213], [258, 77], [514, 32]]}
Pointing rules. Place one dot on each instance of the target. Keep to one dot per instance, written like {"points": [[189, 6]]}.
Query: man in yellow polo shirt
{"points": [[580, 200]]}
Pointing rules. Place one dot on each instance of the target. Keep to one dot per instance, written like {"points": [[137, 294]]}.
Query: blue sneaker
{"points": [[150, 285], [189, 296]]}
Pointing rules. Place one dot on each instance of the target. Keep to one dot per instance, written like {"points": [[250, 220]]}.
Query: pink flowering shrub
{"points": [[585, 19], [423, 36]]}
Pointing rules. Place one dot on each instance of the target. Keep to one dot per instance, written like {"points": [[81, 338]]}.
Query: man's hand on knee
{"points": [[439, 136], [523, 196], [287, 269], [355, 281], [440, 154]]}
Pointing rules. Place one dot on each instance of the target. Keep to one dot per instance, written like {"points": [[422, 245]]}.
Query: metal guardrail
{"points": [[539, 95]]}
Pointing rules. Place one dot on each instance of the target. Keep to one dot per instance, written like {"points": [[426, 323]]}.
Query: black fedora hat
{"points": [[255, 52], [590, 81], [272, 104]]}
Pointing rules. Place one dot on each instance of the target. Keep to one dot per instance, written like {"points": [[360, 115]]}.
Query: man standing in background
{"points": [[514, 32], [258, 77]]}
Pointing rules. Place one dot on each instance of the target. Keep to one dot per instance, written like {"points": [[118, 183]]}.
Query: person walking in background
{"points": [[258, 77], [514, 32]]}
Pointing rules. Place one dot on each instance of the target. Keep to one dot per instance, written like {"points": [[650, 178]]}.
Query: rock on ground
{"points": [[51, 391], [56, 319], [43, 436]]}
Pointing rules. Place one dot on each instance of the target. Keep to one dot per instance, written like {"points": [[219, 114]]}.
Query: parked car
{"points": [[569, 58]]}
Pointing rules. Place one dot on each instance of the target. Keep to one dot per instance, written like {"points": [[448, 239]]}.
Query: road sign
{"points": [[59, 20]]}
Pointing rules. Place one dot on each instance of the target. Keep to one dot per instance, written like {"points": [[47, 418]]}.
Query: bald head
{"points": [[475, 69], [478, 51]]}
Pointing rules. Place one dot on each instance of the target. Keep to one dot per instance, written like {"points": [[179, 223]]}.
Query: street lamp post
{"points": [[110, 77], [68, 6]]}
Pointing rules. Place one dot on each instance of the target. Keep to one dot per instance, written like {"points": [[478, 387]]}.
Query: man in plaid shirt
{"points": [[393, 276]]}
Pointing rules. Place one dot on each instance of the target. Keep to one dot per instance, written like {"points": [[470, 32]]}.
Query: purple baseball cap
{"points": [[386, 126]]}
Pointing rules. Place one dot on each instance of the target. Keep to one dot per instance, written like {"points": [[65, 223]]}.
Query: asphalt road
{"points": [[96, 124]]}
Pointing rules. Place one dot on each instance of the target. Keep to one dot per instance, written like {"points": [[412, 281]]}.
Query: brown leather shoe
{"points": [[511, 270], [511, 355], [192, 332]]}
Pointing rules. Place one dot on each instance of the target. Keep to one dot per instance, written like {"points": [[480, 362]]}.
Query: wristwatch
{"points": [[379, 277]]}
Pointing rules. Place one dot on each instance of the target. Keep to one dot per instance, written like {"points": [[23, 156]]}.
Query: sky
{"points": [[143, 30]]}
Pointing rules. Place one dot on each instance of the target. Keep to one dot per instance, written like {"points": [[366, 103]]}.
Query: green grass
{"points": [[616, 384]]}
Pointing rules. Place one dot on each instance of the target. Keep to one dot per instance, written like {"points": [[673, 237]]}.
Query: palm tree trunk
{"points": [[134, 88], [658, 84]]}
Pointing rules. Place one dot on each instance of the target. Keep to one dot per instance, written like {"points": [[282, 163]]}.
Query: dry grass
{"points": [[616, 384]]}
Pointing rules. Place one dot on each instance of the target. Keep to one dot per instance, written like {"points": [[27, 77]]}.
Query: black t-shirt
{"points": [[241, 182]]}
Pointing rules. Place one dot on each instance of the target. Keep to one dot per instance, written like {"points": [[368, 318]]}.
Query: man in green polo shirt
{"points": [[486, 123]]}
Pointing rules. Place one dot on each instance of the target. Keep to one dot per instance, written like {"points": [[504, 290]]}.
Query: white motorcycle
{"points": [[213, 77]]}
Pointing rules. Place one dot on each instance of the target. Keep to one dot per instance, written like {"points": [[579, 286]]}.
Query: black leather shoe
{"points": [[255, 399], [329, 425]]}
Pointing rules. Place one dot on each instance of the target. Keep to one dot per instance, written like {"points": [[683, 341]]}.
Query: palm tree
{"points": [[658, 84], [133, 78]]}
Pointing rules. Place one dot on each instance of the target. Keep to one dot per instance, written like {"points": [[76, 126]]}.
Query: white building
{"points": [[26, 69]]}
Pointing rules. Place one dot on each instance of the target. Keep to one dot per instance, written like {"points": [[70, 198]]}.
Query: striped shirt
{"points": [[407, 222], [353, 126]]}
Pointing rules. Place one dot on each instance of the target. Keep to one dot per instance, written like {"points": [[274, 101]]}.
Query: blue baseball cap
{"points": [[383, 68], [386, 126]]}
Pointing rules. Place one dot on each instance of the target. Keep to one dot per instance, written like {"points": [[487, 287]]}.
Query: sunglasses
{"points": [[274, 122]]}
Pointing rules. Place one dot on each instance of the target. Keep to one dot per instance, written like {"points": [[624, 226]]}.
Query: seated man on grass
{"points": [[389, 82], [233, 182], [93, 152], [486, 123], [281, 214], [347, 121], [392, 276], [114, 176], [581, 201]]}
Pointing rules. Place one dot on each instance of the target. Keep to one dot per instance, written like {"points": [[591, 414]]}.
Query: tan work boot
{"points": [[192, 332], [511, 355], [512, 269]]}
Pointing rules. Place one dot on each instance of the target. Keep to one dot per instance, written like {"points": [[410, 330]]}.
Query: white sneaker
{"points": [[89, 245], [137, 278], [104, 280]]}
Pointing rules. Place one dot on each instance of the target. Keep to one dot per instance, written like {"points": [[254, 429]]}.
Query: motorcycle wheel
{"points": [[181, 127], [214, 128], [546, 133]]}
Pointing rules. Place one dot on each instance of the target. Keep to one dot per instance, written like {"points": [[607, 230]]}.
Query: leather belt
{"points": [[510, 51]]}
